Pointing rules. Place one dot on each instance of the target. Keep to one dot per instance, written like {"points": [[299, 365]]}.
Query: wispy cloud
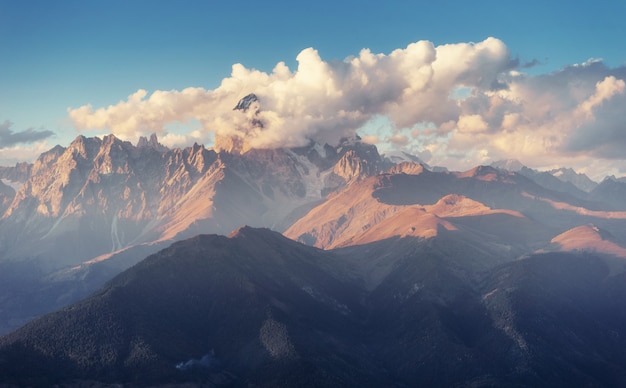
{"points": [[530, 64], [10, 138]]}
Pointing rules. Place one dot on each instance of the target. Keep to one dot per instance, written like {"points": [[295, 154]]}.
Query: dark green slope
{"points": [[260, 305], [428, 323], [567, 313], [257, 309], [548, 320]]}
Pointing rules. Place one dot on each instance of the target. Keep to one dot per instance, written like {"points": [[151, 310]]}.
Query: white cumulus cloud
{"points": [[462, 103], [320, 100]]}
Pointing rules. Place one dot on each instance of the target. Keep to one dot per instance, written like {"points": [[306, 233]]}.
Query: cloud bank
{"points": [[320, 100], [462, 104]]}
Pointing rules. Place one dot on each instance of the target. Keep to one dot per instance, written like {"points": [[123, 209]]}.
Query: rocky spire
{"points": [[248, 105], [152, 143], [245, 103]]}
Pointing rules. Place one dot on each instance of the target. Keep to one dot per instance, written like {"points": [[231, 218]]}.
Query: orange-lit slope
{"points": [[588, 238]]}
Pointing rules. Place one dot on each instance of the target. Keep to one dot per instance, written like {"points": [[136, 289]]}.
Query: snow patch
{"points": [[320, 150], [415, 288], [397, 157], [490, 293], [327, 300], [14, 185], [207, 361], [311, 179]]}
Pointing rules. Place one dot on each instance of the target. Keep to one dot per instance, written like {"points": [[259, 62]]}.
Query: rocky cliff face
{"points": [[18, 173], [6, 196], [101, 195], [92, 209], [78, 195], [611, 191]]}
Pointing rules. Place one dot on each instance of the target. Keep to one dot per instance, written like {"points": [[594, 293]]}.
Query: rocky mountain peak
{"points": [[408, 168], [248, 232], [18, 173], [485, 173], [581, 181], [508, 164], [232, 144], [113, 156], [237, 143], [394, 157], [245, 103], [351, 167], [84, 148], [153, 143], [46, 159]]}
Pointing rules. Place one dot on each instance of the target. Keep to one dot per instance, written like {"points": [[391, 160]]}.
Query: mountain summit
{"points": [[237, 142], [153, 143], [245, 103]]}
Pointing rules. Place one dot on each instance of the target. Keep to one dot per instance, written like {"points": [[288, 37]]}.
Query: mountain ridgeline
{"points": [[387, 273], [88, 211], [258, 309], [105, 194]]}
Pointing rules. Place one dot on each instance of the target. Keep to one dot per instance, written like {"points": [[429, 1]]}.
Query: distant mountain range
{"points": [[388, 272], [565, 175]]}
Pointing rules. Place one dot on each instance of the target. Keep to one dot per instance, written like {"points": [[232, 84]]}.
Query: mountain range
{"points": [[354, 268], [106, 204], [256, 308]]}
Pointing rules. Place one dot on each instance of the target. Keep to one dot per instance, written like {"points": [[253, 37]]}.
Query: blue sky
{"points": [[56, 55]]}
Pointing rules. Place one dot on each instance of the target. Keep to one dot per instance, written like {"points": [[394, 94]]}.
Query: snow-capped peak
{"points": [[513, 165], [581, 181], [245, 102], [397, 156]]}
